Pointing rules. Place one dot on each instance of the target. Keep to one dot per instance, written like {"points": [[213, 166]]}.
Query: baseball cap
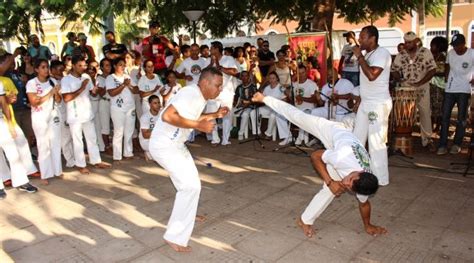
{"points": [[458, 39], [350, 33]]}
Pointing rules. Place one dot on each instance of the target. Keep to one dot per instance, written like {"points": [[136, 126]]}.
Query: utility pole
{"points": [[449, 17]]}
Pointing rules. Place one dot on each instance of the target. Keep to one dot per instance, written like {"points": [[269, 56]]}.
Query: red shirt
{"points": [[156, 52]]}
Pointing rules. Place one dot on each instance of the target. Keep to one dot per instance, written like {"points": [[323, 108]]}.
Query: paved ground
{"points": [[251, 198]]}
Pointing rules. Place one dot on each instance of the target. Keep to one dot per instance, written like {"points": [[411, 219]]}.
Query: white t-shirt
{"points": [[347, 155], [228, 62], [169, 60], [79, 110], [189, 103], [305, 89], [376, 91], [41, 89], [276, 92], [145, 84], [134, 72], [101, 84], [350, 63], [193, 68], [343, 87], [173, 89], [147, 122], [461, 71], [124, 100]]}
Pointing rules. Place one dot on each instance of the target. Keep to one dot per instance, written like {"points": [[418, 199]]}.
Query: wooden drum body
{"points": [[404, 114]]}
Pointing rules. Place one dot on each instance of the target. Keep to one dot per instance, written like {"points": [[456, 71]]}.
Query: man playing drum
{"points": [[414, 67]]}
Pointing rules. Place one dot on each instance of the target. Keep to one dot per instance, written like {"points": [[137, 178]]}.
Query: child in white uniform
{"points": [[147, 123]]}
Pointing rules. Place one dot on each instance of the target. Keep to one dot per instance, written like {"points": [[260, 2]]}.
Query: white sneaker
{"points": [[455, 149], [442, 151], [241, 136], [299, 141], [311, 143], [285, 141]]}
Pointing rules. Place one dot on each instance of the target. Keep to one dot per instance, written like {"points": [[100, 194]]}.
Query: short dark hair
{"points": [[39, 61], [367, 184], [265, 41], [116, 61], [102, 61], [282, 52], [55, 63], [109, 33], [229, 50], [372, 31], [202, 47], [301, 66], [259, 39], [209, 72], [441, 43], [276, 75], [154, 24], [152, 97], [76, 59], [184, 48], [218, 45]]}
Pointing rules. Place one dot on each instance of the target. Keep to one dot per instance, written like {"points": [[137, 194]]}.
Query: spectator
{"points": [[113, 50], [190, 69], [84, 50], [439, 47], [36, 50], [348, 65], [205, 53], [243, 104], [266, 58], [147, 123], [69, 46], [154, 48]]}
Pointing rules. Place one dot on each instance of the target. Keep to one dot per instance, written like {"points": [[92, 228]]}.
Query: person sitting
{"points": [[242, 103], [147, 123]]}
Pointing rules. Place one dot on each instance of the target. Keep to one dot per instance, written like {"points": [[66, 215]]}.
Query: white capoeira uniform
{"points": [[95, 104], [14, 154], [80, 119], [134, 74], [225, 99], [374, 110], [104, 110], [67, 147], [123, 117], [305, 90], [145, 85], [47, 128], [168, 149], [273, 117], [147, 122], [344, 153]]}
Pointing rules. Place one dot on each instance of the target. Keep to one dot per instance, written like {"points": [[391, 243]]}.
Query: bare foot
{"points": [[117, 162], [102, 165], [307, 229], [44, 181], [200, 218], [61, 176], [177, 247], [84, 170], [35, 174]]}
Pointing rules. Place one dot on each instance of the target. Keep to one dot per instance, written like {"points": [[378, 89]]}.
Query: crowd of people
{"points": [[54, 103]]}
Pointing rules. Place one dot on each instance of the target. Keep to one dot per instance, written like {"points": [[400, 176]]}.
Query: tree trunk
{"points": [[323, 15]]}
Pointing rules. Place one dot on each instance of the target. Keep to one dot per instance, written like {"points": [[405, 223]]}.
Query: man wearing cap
{"points": [[36, 50], [348, 65], [83, 49], [154, 47], [414, 67], [459, 70]]}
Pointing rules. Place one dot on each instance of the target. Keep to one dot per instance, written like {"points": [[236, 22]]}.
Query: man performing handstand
{"points": [[179, 118], [344, 165]]}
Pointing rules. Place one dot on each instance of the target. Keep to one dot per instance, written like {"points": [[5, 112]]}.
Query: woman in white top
{"points": [[241, 59], [276, 90], [104, 103], [171, 88], [43, 96], [122, 110], [149, 84]]}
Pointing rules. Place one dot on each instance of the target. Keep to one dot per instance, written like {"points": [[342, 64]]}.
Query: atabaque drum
{"points": [[404, 109]]}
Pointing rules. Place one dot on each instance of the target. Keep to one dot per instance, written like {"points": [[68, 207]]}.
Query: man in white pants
{"points": [[75, 88], [182, 114], [9, 133], [228, 67], [343, 166], [376, 103]]}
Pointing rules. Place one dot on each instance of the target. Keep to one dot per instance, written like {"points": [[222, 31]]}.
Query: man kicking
{"points": [[344, 165], [177, 120]]}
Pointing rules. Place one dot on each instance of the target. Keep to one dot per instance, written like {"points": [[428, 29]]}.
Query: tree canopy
{"points": [[221, 17]]}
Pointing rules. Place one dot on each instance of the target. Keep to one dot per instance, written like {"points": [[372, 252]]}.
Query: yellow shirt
{"points": [[10, 89]]}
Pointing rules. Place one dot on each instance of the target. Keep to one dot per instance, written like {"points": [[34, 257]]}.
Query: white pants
{"points": [[322, 129], [4, 169], [104, 116], [88, 128], [48, 132], [96, 120], [281, 123], [66, 144], [424, 109], [124, 126], [372, 123], [16, 155], [244, 120], [177, 160], [213, 106]]}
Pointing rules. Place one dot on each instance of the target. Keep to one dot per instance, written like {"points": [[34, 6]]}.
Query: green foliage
{"points": [[221, 17]]}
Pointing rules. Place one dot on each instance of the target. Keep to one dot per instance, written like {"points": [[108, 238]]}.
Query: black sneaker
{"points": [[28, 188], [3, 194]]}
